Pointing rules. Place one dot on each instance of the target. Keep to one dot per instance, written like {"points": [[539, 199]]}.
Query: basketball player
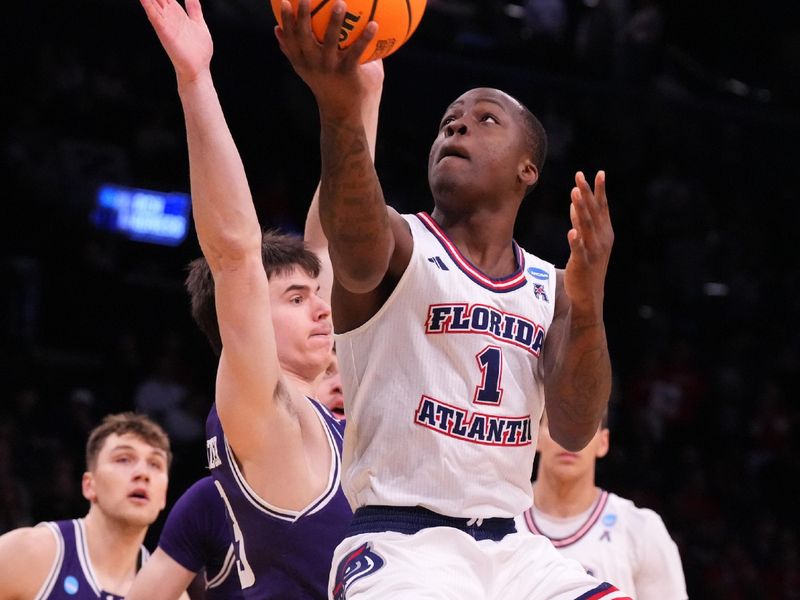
{"points": [[440, 445], [196, 537], [608, 535], [274, 453], [329, 388], [127, 460]]}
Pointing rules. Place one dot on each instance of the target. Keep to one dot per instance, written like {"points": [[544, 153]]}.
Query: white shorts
{"points": [[445, 563]]}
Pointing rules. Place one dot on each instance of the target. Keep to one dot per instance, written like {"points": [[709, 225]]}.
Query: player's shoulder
{"points": [[27, 555], [29, 540], [638, 519], [195, 500], [202, 488]]}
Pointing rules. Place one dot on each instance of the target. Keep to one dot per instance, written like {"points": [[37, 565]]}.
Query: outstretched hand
{"points": [[331, 73], [590, 241], [184, 35]]}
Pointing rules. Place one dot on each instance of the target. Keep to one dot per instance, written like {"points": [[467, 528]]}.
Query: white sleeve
{"points": [[658, 574]]}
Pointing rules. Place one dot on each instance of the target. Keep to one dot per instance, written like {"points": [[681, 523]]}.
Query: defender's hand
{"points": [[184, 35]]}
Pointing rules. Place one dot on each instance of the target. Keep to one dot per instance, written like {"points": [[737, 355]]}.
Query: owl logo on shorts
{"points": [[359, 563]]}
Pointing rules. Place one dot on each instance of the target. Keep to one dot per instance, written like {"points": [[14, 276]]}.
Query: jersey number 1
{"points": [[490, 362]]}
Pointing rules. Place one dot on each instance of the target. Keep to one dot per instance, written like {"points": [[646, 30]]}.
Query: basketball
{"points": [[397, 20]]}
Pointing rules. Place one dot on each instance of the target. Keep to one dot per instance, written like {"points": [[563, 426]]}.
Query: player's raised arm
{"points": [[577, 364], [372, 76], [230, 237], [363, 234]]}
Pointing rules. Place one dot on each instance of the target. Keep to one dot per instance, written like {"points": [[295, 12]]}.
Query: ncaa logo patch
{"points": [[71, 585], [359, 563], [538, 273], [609, 520]]}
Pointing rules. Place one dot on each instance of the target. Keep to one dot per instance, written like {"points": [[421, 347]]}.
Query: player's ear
{"points": [[88, 487], [603, 444], [528, 172]]}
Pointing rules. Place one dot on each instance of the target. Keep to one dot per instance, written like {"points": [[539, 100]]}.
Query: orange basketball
{"points": [[397, 20]]}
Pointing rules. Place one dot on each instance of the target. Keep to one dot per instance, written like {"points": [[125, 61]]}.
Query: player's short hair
{"points": [[139, 425], [536, 140], [281, 253]]}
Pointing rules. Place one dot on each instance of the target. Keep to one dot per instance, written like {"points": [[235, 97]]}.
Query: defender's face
{"points": [[301, 319], [480, 144], [565, 465], [329, 388], [129, 480]]}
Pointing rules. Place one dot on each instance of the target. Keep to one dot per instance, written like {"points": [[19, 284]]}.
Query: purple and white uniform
{"points": [[281, 553], [72, 576], [197, 536]]}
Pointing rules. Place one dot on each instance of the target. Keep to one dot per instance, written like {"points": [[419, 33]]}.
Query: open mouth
{"points": [[139, 496], [453, 152]]}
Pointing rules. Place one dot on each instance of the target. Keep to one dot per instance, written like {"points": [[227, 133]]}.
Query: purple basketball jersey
{"points": [[279, 553], [72, 576], [197, 536]]}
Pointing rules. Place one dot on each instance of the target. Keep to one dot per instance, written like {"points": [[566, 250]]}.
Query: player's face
{"points": [[301, 319], [480, 147], [557, 461], [129, 480], [329, 388]]}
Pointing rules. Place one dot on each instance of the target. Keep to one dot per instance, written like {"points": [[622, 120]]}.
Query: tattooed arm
{"points": [[367, 240], [576, 360], [371, 74]]}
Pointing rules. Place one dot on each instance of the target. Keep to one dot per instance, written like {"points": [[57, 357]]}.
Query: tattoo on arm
{"points": [[352, 203], [581, 383]]}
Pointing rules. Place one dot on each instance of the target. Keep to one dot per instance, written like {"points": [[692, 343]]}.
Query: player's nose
{"points": [[322, 309], [457, 126], [141, 471]]}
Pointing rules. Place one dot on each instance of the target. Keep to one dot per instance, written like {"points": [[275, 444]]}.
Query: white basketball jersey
{"points": [[444, 384], [617, 542]]}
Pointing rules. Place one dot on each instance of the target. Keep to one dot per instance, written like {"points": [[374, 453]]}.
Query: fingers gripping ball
{"points": [[397, 20]]}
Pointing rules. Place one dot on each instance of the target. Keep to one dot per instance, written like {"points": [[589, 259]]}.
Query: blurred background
{"points": [[692, 108]]}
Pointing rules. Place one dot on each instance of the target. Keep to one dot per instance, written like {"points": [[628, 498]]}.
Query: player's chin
{"points": [[321, 341], [140, 516]]}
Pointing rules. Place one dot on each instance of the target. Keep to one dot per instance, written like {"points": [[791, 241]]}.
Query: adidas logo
{"points": [[438, 262]]}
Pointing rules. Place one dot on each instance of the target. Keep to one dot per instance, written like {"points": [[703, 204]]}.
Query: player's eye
{"points": [[490, 117], [122, 459], [157, 464], [296, 300], [446, 121]]}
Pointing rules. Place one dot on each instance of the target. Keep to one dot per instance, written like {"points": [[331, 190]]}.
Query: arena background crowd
{"points": [[691, 108]]}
